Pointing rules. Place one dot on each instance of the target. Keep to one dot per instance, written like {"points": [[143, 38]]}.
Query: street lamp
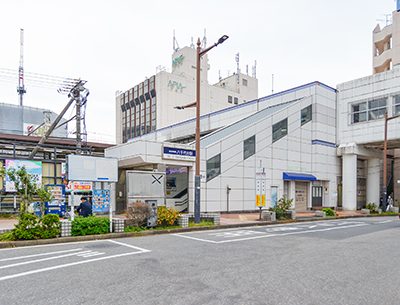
{"points": [[197, 177], [384, 196]]}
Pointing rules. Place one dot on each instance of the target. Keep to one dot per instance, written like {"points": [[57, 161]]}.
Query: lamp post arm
{"points": [[208, 49]]}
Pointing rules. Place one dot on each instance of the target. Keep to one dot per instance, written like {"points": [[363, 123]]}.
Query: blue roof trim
{"points": [[298, 176], [312, 84], [313, 142]]}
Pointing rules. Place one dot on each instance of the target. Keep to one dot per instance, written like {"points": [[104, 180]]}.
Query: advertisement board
{"points": [[101, 200], [34, 168]]}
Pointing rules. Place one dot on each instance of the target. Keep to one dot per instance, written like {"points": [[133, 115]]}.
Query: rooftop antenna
{"points": [[175, 44], [247, 69], [219, 73], [21, 87], [192, 44], [254, 68], [387, 19], [204, 41], [237, 69]]}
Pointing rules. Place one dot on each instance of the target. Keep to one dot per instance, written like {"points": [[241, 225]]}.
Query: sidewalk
{"points": [[226, 219], [240, 218]]}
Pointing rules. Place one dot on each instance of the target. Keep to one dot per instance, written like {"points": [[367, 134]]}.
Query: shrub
{"points": [[8, 216], [32, 227], [8, 236], [28, 227], [90, 225], [282, 205], [371, 207], [51, 226], [137, 213], [329, 212], [166, 216]]}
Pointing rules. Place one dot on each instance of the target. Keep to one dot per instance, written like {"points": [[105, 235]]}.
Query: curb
{"points": [[60, 240]]}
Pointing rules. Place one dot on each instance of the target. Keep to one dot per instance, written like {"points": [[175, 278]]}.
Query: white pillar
{"points": [[349, 178], [373, 181]]}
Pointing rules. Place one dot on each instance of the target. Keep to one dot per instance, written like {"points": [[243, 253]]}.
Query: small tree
{"points": [[26, 187], [45, 196]]}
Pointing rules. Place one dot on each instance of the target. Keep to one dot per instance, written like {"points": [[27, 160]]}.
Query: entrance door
{"points": [[301, 196], [317, 196]]}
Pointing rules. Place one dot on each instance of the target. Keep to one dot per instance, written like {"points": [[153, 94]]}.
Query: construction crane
{"points": [[21, 87]]}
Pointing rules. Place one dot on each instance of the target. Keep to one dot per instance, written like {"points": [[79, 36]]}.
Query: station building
{"points": [[291, 136]]}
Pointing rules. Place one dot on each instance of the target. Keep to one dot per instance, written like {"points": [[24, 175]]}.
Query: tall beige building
{"points": [[151, 104], [386, 45]]}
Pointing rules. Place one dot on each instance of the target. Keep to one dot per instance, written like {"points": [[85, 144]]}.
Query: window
{"points": [[396, 105], [229, 99], [236, 101], [306, 115], [376, 109], [279, 130], [244, 82], [249, 147], [213, 167], [359, 112]]}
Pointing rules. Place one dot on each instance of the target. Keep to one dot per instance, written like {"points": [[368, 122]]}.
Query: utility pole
{"points": [[21, 87], [76, 94]]}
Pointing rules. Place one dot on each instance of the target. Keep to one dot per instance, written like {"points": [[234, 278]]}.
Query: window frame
{"points": [[308, 115], [277, 127], [252, 141], [214, 160]]}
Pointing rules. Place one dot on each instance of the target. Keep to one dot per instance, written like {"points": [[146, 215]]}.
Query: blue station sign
{"points": [[179, 154]]}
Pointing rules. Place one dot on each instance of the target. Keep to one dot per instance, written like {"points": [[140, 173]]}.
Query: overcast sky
{"points": [[114, 45]]}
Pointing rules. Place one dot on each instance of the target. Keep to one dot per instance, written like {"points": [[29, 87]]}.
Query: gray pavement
{"points": [[341, 261]]}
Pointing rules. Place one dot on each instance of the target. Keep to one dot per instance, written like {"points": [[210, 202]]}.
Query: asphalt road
{"points": [[349, 261]]}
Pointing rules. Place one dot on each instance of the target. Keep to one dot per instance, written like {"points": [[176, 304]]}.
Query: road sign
{"points": [[260, 188]]}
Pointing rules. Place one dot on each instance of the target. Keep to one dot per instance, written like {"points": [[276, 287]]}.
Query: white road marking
{"points": [[90, 254], [270, 235], [68, 265], [40, 254], [42, 260], [140, 251]]}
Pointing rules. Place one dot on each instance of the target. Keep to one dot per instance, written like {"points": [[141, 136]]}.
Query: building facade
{"points": [[362, 104], [386, 53], [290, 136], [24, 120], [151, 105]]}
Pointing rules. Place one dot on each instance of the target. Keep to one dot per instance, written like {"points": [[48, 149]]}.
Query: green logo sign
{"points": [[177, 61], [175, 85]]}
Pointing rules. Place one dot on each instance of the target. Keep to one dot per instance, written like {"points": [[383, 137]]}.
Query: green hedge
{"points": [[90, 225]]}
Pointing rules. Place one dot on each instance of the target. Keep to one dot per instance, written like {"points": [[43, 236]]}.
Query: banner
{"points": [[101, 200], [34, 168]]}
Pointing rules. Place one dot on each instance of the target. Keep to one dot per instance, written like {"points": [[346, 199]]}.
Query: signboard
{"points": [[145, 184], [179, 154], [87, 168], [79, 186], [34, 168], [101, 200], [398, 5], [260, 188]]}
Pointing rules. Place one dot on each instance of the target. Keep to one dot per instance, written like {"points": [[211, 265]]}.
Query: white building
{"points": [[361, 130], [291, 135], [149, 105], [386, 53]]}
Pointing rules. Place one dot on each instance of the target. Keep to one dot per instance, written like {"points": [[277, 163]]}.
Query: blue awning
{"points": [[298, 176]]}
